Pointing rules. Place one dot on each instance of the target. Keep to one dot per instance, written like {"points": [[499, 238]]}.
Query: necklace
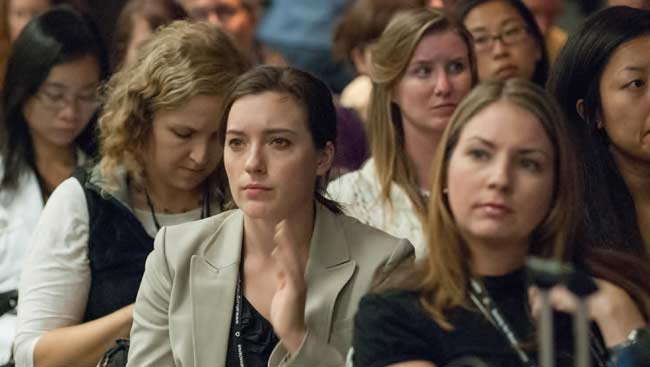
{"points": [[205, 207]]}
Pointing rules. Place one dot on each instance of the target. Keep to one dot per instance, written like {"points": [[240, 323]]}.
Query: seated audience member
{"points": [[360, 25], [302, 32], [14, 16], [421, 67], [137, 22], [506, 186], [546, 13], [507, 41], [239, 18], [46, 131], [159, 153], [601, 79], [276, 282]]}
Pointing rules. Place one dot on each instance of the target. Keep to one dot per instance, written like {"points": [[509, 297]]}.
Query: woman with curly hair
{"points": [[159, 156]]}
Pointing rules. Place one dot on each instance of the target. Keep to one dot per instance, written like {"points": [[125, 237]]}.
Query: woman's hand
{"points": [[288, 303], [610, 307]]}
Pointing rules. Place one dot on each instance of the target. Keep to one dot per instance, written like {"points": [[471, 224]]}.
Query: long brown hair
{"points": [[390, 56], [445, 273]]}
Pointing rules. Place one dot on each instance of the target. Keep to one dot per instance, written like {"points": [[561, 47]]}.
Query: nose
{"points": [[70, 110], [213, 18], [499, 48], [255, 161], [200, 154], [443, 84], [499, 175]]}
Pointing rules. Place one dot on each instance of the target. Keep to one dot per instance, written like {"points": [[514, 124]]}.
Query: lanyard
{"points": [[205, 208], [480, 297], [239, 341]]}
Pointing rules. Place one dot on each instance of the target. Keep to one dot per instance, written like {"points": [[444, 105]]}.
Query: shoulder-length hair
{"points": [[309, 92], [390, 56], [180, 61], [446, 271], [462, 7], [610, 218], [57, 36]]}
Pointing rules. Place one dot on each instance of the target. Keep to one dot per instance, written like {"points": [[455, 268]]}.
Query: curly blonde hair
{"points": [[182, 60]]}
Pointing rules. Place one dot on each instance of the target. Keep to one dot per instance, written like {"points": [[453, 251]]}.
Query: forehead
{"points": [[78, 72], [29, 4], [491, 14], [508, 125], [211, 3], [631, 54], [446, 44], [268, 110]]}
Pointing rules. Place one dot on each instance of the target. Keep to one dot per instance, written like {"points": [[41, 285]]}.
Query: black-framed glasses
{"points": [[223, 12], [509, 36], [57, 98]]}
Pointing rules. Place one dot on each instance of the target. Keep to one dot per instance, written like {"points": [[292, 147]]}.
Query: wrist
{"points": [[634, 351], [294, 339]]}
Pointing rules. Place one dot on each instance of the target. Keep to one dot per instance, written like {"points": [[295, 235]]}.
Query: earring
{"points": [[599, 124], [445, 191]]}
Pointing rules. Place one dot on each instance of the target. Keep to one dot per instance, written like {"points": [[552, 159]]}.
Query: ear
{"points": [[325, 159], [580, 108], [359, 60]]}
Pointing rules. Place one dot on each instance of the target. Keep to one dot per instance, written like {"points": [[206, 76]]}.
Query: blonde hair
{"points": [[390, 56], [445, 273], [180, 61]]}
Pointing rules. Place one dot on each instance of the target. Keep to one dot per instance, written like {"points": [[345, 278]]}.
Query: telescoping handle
{"points": [[546, 274]]}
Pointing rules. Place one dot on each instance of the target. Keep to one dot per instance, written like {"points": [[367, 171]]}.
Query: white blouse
{"points": [[359, 193], [55, 281]]}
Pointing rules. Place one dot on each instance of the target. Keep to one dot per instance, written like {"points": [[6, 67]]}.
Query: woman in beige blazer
{"points": [[278, 280]]}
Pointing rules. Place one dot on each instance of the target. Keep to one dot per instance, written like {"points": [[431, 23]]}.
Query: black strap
{"points": [[480, 297], [237, 330], [8, 301]]}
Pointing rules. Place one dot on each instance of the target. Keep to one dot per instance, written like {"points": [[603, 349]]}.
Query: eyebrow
{"points": [[523, 151], [503, 23], [265, 132], [63, 86]]}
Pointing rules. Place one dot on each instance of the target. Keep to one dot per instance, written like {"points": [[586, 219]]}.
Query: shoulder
{"points": [[184, 240], [353, 186]]}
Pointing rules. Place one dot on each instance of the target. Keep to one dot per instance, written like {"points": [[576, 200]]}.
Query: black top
{"points": [[392, 327], [258, 335], [118, 246]]}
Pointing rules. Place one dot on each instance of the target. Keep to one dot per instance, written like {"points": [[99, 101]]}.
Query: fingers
{"points": [[560, 297], [287, 253]]}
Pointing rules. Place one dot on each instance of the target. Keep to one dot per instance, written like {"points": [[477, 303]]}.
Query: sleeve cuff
{"points": [[312, 352]]}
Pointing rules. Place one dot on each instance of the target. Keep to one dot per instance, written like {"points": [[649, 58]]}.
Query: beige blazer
{"points": [[185, 303]]}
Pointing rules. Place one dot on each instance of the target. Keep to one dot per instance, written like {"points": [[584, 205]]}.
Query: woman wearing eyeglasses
{"points": [[47, 107], [159, 153], [507, 41]]}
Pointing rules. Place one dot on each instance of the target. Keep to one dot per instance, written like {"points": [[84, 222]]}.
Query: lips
{"points": [[506, 71], [494, 209]]}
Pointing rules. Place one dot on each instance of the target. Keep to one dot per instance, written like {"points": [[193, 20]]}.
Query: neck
{"points": [[495, 259], [259, 232], [169, 200], [46, 154], [420, 146], [636, 174]]}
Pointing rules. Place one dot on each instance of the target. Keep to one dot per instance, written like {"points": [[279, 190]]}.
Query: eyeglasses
{"points": [[509, 36], [223, 12], [56, 98]]}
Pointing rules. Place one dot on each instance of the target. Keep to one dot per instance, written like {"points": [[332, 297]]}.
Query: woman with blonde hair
{"points": [[506, 186], [159, 154], [421, 68]]}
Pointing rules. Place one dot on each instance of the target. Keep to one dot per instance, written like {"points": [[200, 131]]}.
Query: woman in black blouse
{"points": [[505, 187]]}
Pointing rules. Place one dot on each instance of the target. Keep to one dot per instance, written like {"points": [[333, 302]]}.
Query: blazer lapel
{"points": [[213, 282], [329, 269]]}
